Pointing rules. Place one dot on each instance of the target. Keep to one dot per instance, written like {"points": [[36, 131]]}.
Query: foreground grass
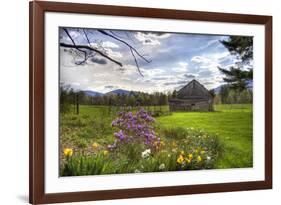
{"points": [[233, 125]]}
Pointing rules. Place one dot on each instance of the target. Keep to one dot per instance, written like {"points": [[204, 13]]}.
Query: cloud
{"points": [[109, 44], [99, 61], [153, 72], [182, 67], [160, 78], [189, 76], [109, 86], [176, 83], [151, 38]]}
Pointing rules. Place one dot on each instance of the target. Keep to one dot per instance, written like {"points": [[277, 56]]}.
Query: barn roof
{"points": [[193, 90]]}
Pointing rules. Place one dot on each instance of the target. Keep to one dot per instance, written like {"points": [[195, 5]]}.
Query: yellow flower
{"points": [[190, 156], [182, 152], [180, 159], [199, 159], [105, 152], [95, 145], [202, 152], [187, 160], [196, 151], [68, 152]]}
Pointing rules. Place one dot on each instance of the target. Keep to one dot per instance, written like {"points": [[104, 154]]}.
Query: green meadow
{"points": [[231, 123], [227, 141]]}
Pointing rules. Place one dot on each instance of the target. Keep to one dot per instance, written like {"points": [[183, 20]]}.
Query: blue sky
{"points": [[175, 58]]}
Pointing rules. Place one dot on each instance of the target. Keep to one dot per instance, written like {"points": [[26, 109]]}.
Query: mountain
{"points": [[92, 93], [249, 86], [113, 92], [119, 91], [217, 89]]}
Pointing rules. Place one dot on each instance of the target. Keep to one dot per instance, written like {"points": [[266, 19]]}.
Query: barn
{"points": [[192, 97]]}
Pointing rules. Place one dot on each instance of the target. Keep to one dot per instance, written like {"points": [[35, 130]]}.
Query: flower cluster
{"points": [[134, 127]]}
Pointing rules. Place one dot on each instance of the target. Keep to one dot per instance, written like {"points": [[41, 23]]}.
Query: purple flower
{"points": [[136, 126]]}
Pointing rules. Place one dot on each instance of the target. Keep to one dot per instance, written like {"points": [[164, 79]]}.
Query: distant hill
{"points": [[119, 91], [92, 93], [113, 92], [249, 86]]}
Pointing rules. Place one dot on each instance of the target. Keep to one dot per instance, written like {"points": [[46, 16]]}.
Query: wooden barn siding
{"points": [[190, 106]]}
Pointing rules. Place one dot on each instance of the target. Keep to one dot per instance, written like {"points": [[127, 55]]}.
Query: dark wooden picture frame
{"points": [[37, 94]]}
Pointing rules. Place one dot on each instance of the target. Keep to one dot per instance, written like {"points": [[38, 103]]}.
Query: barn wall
{"points": [[188, 106]]}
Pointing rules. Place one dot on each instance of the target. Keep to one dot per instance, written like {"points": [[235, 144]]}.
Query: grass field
{"points": [[232, 124]]}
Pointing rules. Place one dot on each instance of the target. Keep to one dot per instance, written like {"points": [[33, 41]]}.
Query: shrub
{"points": [[134, 128]]}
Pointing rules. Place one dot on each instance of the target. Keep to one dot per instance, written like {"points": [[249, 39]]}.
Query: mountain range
{"points": [[113, 92]]}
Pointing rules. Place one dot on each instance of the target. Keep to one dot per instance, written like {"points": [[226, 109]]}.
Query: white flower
{"points": [[145, 153], [162, 166], [208, 158]]}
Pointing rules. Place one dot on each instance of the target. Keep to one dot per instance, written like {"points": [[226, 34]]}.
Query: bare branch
{"points": [[72, 40], [92, 49], [136, 62], [131, 47], [86, 35]]}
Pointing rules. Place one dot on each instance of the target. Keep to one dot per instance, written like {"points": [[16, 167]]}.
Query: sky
{"points": [[176, 59]]}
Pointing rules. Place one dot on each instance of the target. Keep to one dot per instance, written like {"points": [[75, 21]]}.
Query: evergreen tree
{"points": [[238, 76]]}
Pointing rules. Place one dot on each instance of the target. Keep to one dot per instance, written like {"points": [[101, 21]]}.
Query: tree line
{"points": [[228, 95], [70, 97]]}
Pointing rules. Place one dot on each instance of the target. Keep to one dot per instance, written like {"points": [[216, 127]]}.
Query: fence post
{"points": [[77, 104]]}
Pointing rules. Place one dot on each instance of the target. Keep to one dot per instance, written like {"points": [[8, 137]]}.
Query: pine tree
{"points": [[238, 76]]}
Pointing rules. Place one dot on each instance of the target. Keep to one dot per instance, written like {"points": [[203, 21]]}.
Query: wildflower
{"points": [[169, 155], [105, 152], [187, 160], [162, 166], [190, 156], [180, 159], [203, 152], [95, 145], [182, 152], [208, 158], [199, 159], [145, 153], [68, 152], [120, 135]]}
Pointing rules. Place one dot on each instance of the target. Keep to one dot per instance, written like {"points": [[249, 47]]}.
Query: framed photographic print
{"points": [[139, 102]]}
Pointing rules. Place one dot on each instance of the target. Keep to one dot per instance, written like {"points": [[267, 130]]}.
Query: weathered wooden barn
{"points": [[192, 97]]}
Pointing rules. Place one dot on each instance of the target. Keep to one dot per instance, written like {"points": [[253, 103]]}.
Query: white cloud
{"points": [[107, 47], [150, 38], [113, 54], [109, 44], [182, 68], [210, 62], [153, 72]]}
